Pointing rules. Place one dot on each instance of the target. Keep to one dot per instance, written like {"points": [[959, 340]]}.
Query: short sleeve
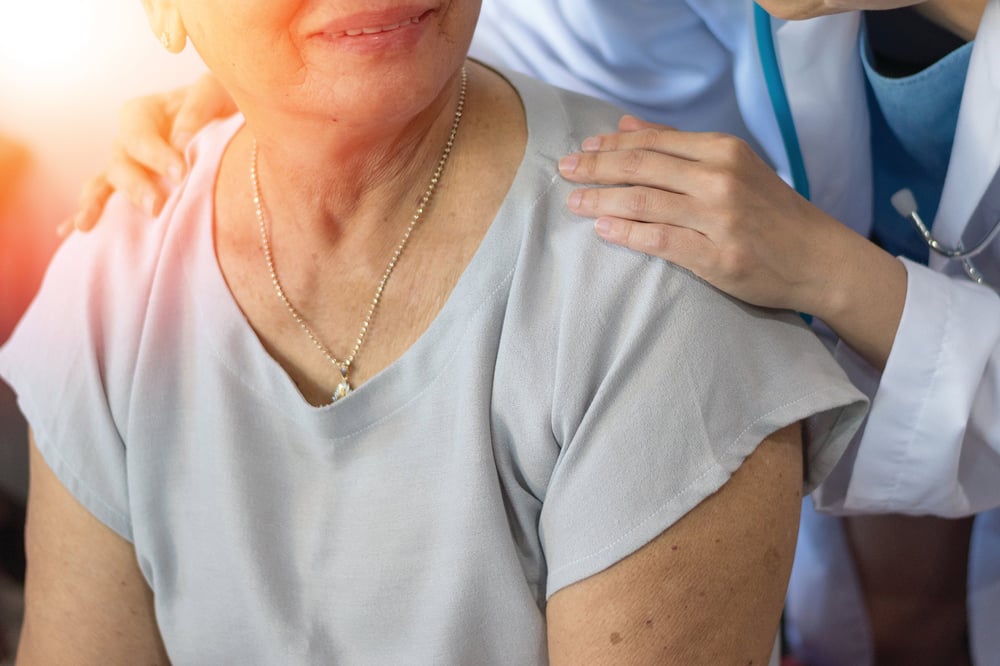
{"points": [[668, 385], [73, 357], [67, 361]]}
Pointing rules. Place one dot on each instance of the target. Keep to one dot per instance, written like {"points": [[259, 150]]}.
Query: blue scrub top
{"points": [[913, 121]]}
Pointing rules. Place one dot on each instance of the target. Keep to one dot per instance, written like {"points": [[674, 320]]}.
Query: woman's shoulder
{"points": [[559, 119], [553, 237], [602, 294], [125, 248], [122, 224], [78, 341], [100, 285]]}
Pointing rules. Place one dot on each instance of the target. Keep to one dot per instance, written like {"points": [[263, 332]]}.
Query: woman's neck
{"points": [[961, 17], [332, 284], [325, 181]]}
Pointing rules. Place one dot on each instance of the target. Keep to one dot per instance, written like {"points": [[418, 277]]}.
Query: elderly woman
{"points": [[355, 397]]}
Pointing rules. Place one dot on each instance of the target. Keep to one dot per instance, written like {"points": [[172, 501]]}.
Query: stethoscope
{"points": [[906, 205], [903, 201]]}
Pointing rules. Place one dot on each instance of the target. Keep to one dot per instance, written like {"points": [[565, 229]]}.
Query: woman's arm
{"points": [[86, 601], [154, 132], [708, 590]]}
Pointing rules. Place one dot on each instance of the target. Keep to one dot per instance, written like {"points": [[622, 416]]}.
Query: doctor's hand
{"points": [[154, 132], [708, 203]]}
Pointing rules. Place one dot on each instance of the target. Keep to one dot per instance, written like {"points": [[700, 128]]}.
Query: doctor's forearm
{"points": [[864, 303]]}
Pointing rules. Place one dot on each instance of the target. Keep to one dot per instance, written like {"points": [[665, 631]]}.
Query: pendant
{"points": [[344, 387]]}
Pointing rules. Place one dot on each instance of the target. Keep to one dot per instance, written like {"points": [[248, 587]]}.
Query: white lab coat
{"points": [[931, 444], [932, 440]]}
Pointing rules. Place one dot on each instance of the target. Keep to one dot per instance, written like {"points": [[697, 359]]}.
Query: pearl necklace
{"points": [[344, 366]]}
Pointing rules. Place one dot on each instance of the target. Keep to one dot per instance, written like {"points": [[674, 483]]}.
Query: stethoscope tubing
{"points": [[779, 100]]}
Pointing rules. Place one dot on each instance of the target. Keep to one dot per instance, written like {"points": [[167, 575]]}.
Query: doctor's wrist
{"points": [[865, 299]]}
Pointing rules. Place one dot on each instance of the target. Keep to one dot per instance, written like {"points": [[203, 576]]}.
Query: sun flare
{"points": [[46, 40]]}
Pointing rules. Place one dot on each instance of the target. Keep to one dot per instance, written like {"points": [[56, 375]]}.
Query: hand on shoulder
{"points": [[155, 129]]}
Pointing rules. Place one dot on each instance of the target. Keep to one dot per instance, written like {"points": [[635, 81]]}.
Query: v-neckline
{"points": [[236, 344]]}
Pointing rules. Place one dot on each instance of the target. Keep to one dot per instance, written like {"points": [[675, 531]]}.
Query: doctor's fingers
{"points": [[679, 245], [713, 147], [141, 123], [722, 176], [145, 125], [89, 205], [640, 204], [711, 200], [635, 166], [136, 183]]}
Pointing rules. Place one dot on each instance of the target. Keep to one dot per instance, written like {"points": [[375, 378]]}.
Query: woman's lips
{"points": [[374, 23], [354, 32]]}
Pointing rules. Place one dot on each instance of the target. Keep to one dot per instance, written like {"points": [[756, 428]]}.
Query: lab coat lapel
{"points": [[821, 68], [979, 225], [971, 196]]}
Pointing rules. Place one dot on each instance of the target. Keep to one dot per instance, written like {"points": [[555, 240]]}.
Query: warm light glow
{"points": [[66, 67], [46, 39]]}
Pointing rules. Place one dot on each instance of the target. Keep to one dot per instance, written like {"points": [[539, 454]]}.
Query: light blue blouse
{"points": [[570, 401]]}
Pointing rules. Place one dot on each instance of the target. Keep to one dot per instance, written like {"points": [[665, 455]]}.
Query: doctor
{"points": [[917, 333]]}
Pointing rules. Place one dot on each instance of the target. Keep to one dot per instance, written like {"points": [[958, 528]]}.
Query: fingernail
{"points": [[603, 226], [568, 164], [176, 172], [575, 199], [149, 204], [591, 143]]}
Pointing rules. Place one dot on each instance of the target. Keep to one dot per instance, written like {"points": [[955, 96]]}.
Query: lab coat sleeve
{"points": [[932, 441]]}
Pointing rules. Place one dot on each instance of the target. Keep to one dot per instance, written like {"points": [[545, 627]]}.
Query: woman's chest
{"points": [[403, 535]]}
